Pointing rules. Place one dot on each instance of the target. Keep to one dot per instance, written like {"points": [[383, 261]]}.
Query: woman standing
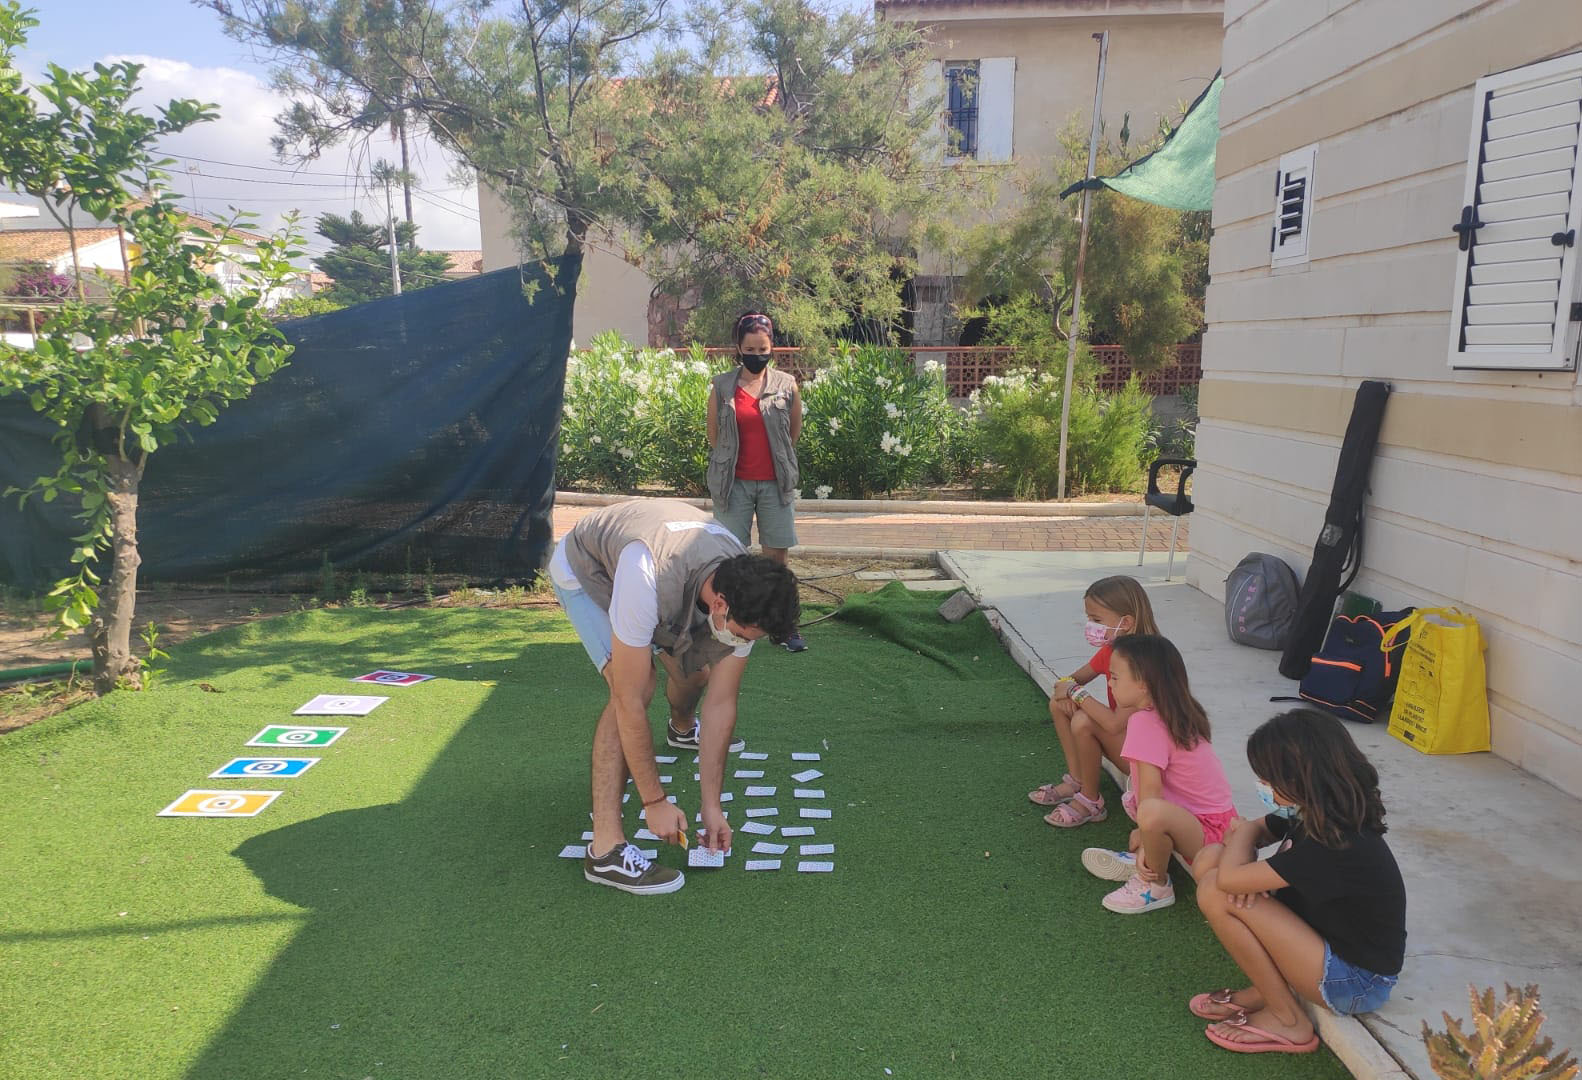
{"points": [[754, 418]]}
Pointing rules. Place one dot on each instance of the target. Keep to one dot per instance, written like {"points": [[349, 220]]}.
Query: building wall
{"points": [[1476, 494], [611, 295]]}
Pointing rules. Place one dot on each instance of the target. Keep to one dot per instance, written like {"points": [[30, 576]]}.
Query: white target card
{"points": [[340, 705]]}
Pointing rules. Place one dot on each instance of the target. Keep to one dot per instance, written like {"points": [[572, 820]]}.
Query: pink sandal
{"points": [[1048, 794], [1079, 811]]}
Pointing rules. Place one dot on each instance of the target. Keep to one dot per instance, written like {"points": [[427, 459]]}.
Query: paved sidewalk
{"points": [[909, 533], [1488, 852]]}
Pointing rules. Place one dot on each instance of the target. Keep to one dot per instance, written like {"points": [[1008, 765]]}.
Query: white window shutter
{"points": [[996, 107], [1293, 207], [1516, 271], [930, 85]]}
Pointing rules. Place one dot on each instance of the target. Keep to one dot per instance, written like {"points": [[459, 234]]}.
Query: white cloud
{"points": [[240, 138]]}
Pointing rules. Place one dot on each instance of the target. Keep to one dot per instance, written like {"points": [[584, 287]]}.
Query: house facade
{"points": [[1012, 74], [1397, 198]]}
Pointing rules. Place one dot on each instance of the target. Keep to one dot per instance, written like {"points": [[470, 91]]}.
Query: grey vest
{"points": [[774, 402], [687, 547]]}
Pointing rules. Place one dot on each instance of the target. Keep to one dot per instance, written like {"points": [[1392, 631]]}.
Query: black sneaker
{"points": [[626, 869], [689, 741], [796, 643]]}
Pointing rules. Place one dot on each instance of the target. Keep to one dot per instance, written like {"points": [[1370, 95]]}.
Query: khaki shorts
{"points": [[776, 523]]}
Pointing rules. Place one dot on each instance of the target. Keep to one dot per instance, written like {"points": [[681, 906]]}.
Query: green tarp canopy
{"points": [[1180, 174]]}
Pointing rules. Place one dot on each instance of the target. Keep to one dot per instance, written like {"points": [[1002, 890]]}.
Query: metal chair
{"points": [[1177, 504]]}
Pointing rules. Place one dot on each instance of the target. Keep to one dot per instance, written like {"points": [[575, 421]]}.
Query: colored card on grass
{"points": [[701, 856], [264, 766], [816, 849], [809, 793], [588, 835], [393, 678], [202, 803], [749, 755], [762, 864], [697, 776], [805, 775], [806, 757], [726, 796], [759, 791], [664, 779], [286, 735], [763, 811], [574, 851], [764, 847], [797, 830], [814, 812], [644, 834], [665, 759], [813, 866], [749, 774], [340, 705], [758, 828]]}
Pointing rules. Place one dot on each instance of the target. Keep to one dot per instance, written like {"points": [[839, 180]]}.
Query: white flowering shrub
{"points": [[1017, 422], [634, 416], [872, 423]]}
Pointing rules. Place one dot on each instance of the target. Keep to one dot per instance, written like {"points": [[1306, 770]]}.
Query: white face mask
{"points": [[722, 633]]}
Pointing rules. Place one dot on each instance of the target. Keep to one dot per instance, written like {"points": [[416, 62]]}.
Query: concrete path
{"points": [[1490, 854], [925, 533]]}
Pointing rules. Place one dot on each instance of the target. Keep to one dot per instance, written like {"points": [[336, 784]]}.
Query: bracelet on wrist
{"points": [[650, 802]]}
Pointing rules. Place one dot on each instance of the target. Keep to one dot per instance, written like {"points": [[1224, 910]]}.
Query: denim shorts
{"points": [[1349, 989], [776, 522], [589, 620]]}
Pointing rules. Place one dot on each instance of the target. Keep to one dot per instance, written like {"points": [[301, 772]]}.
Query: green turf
{"points": [[400, 913]]}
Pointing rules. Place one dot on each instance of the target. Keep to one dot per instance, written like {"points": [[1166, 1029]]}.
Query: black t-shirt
{"points": [[1353, 896]]}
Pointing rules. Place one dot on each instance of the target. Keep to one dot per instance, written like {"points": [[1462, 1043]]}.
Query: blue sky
{"points": [[229, 162]]}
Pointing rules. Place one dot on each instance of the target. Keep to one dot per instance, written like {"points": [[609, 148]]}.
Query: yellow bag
{"points": [[1441, 701]]}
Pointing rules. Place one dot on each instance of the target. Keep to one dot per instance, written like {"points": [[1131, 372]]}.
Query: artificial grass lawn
{"points": [[400, 911]]}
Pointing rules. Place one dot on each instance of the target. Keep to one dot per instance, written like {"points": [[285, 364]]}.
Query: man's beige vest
{"points": [[687, 547]]}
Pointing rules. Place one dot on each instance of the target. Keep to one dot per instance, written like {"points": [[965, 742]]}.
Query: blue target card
{"points": [[256, 767]]}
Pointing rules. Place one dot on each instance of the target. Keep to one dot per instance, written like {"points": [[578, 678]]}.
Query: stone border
{"points": [[904, 506], [1346, 1036]]}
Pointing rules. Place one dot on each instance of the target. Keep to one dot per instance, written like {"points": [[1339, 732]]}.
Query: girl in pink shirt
{"points": [[1179, 796]]}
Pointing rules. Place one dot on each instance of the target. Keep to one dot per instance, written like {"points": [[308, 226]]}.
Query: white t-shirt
{"points": [[634, 599]]}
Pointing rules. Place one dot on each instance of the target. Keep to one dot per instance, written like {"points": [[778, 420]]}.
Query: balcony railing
{"points": [[966, 366]]}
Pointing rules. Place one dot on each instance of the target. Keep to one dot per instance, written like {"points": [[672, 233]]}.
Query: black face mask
{"points": [[754, 364]]}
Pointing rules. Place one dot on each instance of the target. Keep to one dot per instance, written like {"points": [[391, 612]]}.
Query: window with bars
{"points": [[961, 109]]}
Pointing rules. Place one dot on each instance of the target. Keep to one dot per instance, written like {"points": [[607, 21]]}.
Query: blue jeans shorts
{"points": [[1349, 989], [591, 622]]}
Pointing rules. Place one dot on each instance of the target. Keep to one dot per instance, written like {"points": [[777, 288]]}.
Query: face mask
{"points": [[752, 363], [722, 634], [1098, 634], [1266, 796]]}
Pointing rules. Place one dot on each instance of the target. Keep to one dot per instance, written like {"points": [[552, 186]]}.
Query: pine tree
{"points": [[359, 258]]}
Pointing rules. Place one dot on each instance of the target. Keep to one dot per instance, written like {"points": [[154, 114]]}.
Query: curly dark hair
{"points": [[761, 593], [1308, 756]]}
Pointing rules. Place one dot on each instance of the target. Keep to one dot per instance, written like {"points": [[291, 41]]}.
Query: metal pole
{"points": [[1103, 38], [395, 262]]}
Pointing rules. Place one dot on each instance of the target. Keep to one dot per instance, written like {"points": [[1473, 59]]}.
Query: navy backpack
{"points": [[1351, 676]]}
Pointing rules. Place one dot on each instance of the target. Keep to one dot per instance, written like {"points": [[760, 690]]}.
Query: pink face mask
{"points": [[1098, 634]]}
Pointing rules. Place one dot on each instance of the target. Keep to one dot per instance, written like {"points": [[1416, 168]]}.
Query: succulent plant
{"points": [[1503, 1043]]}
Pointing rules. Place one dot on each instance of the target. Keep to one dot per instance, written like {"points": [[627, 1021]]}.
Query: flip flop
{"points": [[1267, 1042], [1202, 1003]]}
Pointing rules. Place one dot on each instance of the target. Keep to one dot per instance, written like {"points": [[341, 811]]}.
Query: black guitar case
{"points": [[1338, 553]]}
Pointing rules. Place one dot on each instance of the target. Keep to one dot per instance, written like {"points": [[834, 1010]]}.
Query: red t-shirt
{"points": [[754, 461], [1101, 664]]}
